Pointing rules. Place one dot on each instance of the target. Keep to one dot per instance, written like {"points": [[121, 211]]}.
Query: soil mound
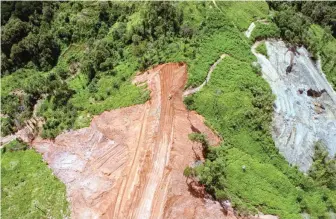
{"points": [[129, 163]]}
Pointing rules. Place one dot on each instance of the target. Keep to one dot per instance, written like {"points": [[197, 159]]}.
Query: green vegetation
{"points": [[237, 103], [6, 126], [14, 145], [229, 41], [100, 46], [298, 23], [79, 59], [323, 44], [28, 188], [242, 14], [262, 49], [198, 137], [189, 172], [86, 56], [323, 169], [25, 36], [264, 31]]}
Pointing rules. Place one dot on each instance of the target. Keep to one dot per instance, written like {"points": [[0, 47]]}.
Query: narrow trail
{"points": [[214, 2], [207, 79]]}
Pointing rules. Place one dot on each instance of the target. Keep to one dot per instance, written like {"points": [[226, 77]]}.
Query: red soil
{"points": [[129, 163]]}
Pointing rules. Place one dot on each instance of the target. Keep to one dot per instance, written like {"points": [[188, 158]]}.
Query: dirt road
{"points": [[191, 91], [129, 163]]}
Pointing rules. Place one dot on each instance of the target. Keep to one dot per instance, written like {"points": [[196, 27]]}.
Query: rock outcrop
{"points": [[305, 105]]}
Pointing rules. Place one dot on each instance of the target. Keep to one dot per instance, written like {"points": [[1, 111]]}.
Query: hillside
{"points": [[166, 109]]}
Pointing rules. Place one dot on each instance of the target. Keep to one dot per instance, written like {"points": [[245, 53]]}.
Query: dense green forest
{"points": [[312, 24], [68, 54], [77, 59]]}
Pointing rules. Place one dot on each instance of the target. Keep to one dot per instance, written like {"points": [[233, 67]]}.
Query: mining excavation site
{"points": [[129, 163], [305, 104]]}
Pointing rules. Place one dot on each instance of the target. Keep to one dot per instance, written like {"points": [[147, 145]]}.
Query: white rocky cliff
{"points": [[305, 105]]}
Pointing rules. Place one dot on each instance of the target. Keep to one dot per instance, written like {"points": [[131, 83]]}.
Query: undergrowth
{"points": [[237, 103], [103, 44], [262, 49], [264, 31], [28, 187]]}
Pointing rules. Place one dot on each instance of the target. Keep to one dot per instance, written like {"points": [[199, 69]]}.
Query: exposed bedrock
{"points": [[305, 105]]}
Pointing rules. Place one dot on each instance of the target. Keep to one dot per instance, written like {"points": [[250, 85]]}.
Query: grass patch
{"points": [[261, 185], [264, 31], [28, 187], [229, 41], [238, 104], [323, 44], [242, 14], [262, 49]]}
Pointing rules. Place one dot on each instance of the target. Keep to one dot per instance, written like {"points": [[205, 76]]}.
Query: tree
{"points": [[200, 138], [161, 18], [186, 31], [89, 70], [6, 64], [7, 126], [323, 169], [24, 10], [13, 32], [189, 172], [7, 9]]}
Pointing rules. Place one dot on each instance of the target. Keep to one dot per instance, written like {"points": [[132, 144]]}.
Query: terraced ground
{"points": [[129, 163]]}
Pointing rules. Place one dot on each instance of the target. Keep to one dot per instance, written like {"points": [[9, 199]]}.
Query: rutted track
{"points": [[129, 163]]}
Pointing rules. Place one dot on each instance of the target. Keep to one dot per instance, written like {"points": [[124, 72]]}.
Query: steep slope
{"points": [[129, 163], [305, 109]]}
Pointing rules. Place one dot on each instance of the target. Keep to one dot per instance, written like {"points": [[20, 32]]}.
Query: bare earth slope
{"points": [[129, 163]]}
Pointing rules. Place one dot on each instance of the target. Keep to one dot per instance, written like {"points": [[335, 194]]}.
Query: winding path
{"points": [[207, 79]]}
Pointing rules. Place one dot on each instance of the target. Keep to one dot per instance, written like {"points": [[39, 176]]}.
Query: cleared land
{"points": [[129, 163]]}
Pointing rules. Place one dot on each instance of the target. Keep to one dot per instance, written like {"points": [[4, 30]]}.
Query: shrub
{"points": [[189, 172], [7, 126], [262, 49], [200, 138], [264, 31], [323, 169], [15, 145]]}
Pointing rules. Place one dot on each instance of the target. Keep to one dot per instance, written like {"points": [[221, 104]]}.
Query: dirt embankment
{"points": [[129, 163]]}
